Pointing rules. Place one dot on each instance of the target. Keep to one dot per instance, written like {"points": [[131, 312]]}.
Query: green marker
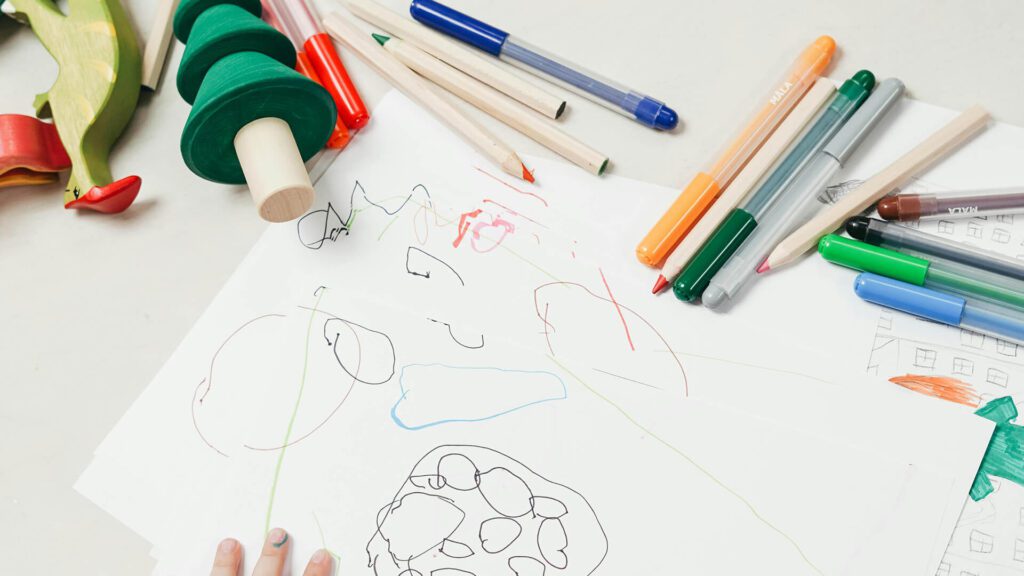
{"points": [[937, 275], [732, 232]]}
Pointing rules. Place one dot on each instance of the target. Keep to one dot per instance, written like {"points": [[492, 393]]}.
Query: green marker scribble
{"points": [[295, 412], [1004, 457], [692, 462]]}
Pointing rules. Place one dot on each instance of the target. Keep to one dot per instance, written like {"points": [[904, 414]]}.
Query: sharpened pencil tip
{"points": [[527, 175], [764, 267], [660, 285]]}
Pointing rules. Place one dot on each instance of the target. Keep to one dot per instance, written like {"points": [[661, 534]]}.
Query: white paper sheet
{"points": [[429, 302]]}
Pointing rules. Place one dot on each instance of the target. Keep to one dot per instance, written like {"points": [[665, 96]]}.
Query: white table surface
{"points": [[91, 306]]}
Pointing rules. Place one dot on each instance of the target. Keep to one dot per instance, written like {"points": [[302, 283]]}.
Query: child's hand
{"points": [[272, 559]]}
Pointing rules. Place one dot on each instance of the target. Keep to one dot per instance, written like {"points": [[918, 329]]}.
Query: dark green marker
{"points": [[731, 233]]}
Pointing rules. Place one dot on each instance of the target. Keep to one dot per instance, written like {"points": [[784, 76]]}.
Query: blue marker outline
{"points": [[401, 384]]}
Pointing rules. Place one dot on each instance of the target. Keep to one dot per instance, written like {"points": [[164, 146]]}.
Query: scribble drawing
{"points": [[470, 344], [543, 310], [436, 394], [367, 346], [486, 231], [205, 386], [354, 354], [423, 264], [471, 510], [319, 226], [981, 542], [943, 387], [1003, 457]]}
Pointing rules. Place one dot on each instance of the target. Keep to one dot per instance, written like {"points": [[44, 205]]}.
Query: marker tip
{"points": [[660, 285]]}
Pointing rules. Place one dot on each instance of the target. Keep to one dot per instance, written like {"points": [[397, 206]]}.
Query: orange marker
{"points": [[688, 208]]}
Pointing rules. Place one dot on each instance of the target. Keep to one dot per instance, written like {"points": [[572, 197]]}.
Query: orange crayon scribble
{"points": [[943, 387]]}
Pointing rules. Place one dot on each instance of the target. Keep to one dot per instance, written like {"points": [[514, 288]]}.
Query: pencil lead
{"points": [[764, 267], [660, 285], [380, 38], [527, 175]]}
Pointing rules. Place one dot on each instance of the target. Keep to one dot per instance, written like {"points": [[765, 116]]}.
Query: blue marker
{"points": [[617, 97], [1003, 322]]}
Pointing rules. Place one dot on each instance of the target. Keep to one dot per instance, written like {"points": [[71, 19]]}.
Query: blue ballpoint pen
{"points": [[617, 97]]}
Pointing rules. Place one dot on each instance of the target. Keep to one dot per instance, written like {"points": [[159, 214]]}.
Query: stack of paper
{"points": [[438, 368]]}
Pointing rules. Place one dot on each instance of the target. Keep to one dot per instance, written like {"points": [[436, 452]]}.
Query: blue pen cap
{"points": [[654, 113], [921, 302], [458, 25]]}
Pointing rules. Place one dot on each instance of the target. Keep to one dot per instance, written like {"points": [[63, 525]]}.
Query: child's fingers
{"points": [[274, 554], [320, 564], [227, 558]]}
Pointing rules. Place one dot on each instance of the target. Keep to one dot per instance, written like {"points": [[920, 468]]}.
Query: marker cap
{"points": [[867, 258], [846, 141], [921, 302], [454, 23]]}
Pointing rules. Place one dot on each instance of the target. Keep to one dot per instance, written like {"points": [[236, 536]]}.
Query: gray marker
{"points": [[796, 204]]}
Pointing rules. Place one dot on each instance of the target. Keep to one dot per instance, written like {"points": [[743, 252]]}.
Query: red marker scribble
{"points": [[549, 327], [507, 185], [942, 387], [618, 309], [467, 225], [464, 225]]}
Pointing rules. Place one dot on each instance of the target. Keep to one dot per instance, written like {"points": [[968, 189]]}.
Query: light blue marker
{"points": [[1001, 322]]}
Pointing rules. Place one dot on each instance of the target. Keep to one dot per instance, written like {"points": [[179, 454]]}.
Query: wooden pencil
{"points": [[922, 156], [496, 104], [812, 102], [155, 50], [459, 57], [415, 87]]}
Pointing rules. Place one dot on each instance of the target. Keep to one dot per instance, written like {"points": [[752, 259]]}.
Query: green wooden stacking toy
{"points": [[254, 119]]}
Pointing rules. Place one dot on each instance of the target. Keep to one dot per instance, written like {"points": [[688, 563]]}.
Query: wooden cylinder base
{"points": [[274, 170]]}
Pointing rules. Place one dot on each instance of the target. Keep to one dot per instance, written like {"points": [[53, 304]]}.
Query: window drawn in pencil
{"points": [[943, 569], [997, 377], [1001, 235], [946, 227], [972, 339], [963, 366], [924, 358], [884, 321], [975, 229], [1006, 348], [981, 542], [1018, 550], [1005, 218]]}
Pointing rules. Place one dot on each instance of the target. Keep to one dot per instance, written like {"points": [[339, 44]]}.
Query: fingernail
{"points": [[277, 537], [227, 546], [320, 557]]}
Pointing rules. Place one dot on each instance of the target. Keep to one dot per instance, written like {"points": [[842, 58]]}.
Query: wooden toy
{"points": [[94, 95], [154, 54], [30, 151], [254, 119]]}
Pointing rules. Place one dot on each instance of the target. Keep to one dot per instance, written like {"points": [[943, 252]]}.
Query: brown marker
{"points": [[904, 207]]}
